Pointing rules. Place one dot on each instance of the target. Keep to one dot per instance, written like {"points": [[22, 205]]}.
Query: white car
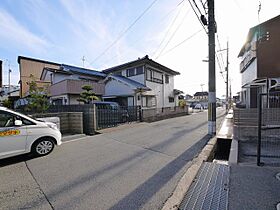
{"points": [[21, 134]]}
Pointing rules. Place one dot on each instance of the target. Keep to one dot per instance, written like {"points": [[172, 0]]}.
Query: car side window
{"points": [[6, 119], [26, 122]]}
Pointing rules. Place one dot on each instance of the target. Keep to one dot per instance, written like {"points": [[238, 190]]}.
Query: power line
{"points": [[197, 7], [182, 42], [220, 50], [173, 34], [169, 28], [125, 31], [203, 5], [139, 39], [198, 17]]}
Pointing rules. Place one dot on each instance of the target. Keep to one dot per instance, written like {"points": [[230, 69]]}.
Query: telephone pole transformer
{"points": [[212, 69]]}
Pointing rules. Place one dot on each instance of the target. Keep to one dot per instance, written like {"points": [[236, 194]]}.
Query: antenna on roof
{"points": [[259, 10], [83, 59]]}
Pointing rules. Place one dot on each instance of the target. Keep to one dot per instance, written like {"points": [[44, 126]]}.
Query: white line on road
{"points": [[76, 139]]}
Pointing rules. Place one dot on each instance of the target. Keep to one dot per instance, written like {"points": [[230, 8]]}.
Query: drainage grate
{"points": [[209, 189]]}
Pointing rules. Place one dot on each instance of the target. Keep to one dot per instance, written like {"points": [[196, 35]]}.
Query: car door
{"points": [[12, 138]]}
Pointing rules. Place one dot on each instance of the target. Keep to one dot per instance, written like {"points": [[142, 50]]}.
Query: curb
{"points": [[185, 182]]}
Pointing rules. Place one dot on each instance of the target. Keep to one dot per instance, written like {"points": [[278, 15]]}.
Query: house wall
{"points": [[28, 67], [269, 50], [116, 88], [250, 73], [168, 91], [138, 78]]}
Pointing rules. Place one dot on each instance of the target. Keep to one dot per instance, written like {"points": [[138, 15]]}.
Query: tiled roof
{"points": [[134, 84], [80, 70], [201, 93], [141, 61]]}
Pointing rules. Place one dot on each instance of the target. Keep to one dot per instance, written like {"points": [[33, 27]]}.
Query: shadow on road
{"points": [[145, 191], [16, 159]]}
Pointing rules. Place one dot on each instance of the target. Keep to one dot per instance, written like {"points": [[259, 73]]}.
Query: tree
{"points": [[38, 98], [7, 103], [87, 96]]}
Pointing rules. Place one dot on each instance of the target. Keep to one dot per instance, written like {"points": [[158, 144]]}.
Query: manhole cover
{"points": [[278, 177]]}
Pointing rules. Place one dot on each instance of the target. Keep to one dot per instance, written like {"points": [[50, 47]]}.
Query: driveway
{"points": [[136, 167]]}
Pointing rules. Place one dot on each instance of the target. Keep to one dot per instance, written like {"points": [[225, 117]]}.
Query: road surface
{"points": [[136, 167]]}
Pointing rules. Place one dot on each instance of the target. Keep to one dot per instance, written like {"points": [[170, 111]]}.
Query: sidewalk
{"points": [[238, 185], [253, 187]]}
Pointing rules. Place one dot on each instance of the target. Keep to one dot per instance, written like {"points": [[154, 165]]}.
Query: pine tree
{"points": [[87, 96]]}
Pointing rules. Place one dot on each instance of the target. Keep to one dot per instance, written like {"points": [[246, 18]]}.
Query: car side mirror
{"points": [[18, 122]]}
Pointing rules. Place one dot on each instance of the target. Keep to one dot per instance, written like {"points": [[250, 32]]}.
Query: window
{"points": [[149, 74], [171, 99], [130, 72], [154, 76], [118, 73], [166, 79], [139, 70], [6, 119]]}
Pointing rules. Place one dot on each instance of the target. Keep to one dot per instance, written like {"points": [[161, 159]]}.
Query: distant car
{"points": [[21, 134], [198, 106]]}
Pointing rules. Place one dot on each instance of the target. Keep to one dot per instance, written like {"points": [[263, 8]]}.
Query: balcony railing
{"points": [[75, 87]]}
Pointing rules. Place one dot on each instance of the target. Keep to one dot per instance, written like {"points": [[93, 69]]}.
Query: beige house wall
{"points": [[34, 67]]}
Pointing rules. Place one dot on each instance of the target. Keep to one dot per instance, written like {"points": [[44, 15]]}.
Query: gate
{"points": [[107, 117], [268, 147]]}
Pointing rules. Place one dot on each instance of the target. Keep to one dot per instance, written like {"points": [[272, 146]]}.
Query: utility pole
{"points": [[212, 73], [227, 101]]}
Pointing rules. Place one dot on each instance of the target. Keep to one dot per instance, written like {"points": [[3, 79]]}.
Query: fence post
{"points": [[95, 123], [140, 114], [259, 129]]}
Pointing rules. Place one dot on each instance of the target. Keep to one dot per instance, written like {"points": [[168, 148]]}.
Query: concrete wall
{"points": [[154, 114], [246, 123], [70, 122]]}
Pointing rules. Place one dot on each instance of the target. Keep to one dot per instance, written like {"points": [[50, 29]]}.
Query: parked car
{"points": [[21, 134], [198, 106]]}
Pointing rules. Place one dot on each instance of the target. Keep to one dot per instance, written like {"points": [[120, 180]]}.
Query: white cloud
{"points": [[13, 34]]}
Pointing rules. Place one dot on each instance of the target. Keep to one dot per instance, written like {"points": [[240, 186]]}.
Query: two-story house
{"points": [[260, 65], [30, 70], [201, 96], [142, 82], [66, 83]]}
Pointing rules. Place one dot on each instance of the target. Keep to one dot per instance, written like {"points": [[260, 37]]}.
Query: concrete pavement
{"points": [[133, 168]]}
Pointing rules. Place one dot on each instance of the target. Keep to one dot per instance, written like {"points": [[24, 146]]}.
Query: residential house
{"points": [[188, 97], [30, 70], [9, 93], [142, 82], [200, 96], [66, 83], [260, 65]]}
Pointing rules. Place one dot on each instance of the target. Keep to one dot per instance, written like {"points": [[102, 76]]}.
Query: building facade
{"points": [[260, 63], [142, 82], [30, 70]]}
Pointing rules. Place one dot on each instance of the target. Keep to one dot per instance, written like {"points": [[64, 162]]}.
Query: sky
{"points": [[109, 32]]}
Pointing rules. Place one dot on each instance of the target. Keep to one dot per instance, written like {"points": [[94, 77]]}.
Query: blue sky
{"points": [[64, 31]]}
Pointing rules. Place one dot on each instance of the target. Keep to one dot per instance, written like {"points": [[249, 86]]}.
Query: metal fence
{"points": [[268, 147], [111, 117]]}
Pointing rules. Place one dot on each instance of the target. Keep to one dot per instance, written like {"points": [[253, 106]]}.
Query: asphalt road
{"points": [[136, 167]]}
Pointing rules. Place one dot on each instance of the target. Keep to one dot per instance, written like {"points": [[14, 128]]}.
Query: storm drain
{"points": [[209, 189]]}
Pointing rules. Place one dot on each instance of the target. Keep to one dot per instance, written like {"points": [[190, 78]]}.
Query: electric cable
{"points": [[124, 32]]}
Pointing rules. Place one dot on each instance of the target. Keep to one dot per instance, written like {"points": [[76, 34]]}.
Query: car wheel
{"points": [[43, 147]]}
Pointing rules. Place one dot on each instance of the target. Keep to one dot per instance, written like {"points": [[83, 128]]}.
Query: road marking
{"points": [[73, 140]]}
